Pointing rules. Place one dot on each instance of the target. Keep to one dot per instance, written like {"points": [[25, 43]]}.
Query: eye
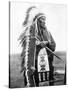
{"points": [[30, 30]]}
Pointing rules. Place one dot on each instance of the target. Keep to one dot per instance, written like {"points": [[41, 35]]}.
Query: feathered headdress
{"points": [[27, 15], [31, 15]]}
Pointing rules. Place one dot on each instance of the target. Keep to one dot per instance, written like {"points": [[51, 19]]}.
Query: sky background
{"points": [[55, 22]]}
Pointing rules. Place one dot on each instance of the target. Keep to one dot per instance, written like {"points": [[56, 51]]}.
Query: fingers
{"points": [[37, 42]]}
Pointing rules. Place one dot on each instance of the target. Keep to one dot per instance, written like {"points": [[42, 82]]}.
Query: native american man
{"points": [[45, 35]]}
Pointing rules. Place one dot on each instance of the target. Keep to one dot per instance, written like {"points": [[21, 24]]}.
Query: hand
{"points": [[43, 43], [49, 41], [37, 42]]}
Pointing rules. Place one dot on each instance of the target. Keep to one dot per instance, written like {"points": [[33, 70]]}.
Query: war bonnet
{"points": [[32, 15]]}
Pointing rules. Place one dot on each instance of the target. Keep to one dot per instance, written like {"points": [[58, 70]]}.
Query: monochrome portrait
{"points": [[37, 44]]}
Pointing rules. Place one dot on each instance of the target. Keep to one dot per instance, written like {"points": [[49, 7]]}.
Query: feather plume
{"points": [[27, 15]]}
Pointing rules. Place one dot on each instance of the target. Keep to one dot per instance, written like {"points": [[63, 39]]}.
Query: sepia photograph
{"points": [[37, 55]]}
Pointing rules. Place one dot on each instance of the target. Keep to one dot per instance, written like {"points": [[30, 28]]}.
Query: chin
{"points": [[43, 26]]}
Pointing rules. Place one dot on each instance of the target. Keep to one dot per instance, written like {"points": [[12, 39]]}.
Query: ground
{"points": [[16, 78]]}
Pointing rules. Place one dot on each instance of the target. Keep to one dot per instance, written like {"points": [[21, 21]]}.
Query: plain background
{"points": [[4, 44]]}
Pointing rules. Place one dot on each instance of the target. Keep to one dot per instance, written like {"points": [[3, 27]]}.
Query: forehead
{"points": [[42, 18]]}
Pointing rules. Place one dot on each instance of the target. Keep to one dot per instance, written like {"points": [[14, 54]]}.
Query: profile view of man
{"points": [[44, 35]]}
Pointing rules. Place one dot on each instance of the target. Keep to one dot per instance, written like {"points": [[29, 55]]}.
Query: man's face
{"points": [[42, 21]]}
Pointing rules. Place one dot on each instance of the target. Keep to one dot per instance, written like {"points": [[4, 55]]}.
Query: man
{"points": [[43, 35]]}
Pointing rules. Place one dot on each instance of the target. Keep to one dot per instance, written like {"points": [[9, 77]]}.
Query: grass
{"points": [[16, 78]]}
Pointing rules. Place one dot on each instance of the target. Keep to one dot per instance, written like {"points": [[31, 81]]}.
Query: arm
{"points": [[51, 43]]}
